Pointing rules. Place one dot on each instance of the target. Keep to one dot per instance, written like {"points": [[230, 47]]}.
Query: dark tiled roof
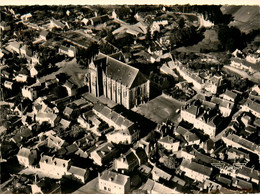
{"points": [[197, 167], [121, 72]]}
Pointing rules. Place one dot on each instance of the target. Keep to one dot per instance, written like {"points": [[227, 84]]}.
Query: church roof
{"points": [[121, 72]]}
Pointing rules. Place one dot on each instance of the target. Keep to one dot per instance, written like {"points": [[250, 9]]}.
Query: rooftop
{"points": [[197, 167], [113, 177], [121, 72]]}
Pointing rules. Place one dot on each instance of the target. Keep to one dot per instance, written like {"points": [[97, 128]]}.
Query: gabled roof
{"points": [[58, 23], [77, 171], [44, 33], [129, 157], [166, 139], [113, 177], [243, 142], [65, 123], [68, 111], [15, 44], [161, 173], [121, 72], [113, 116], [249, 172], [104, 149], [230, 94], [24, 152], [71, 148], [199, 168], [64, 48], [154, 187], [141, 154], [192, 109]]}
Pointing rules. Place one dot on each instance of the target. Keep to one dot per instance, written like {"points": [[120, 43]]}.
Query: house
{"points": [[190, 77], [14, 47], [239, 142], [125, 131], [117, 81], [229, 95], [69, 51], [248, 174], [191, 138], [158, 174], [126, 136], [126, 162], [253, 58], [84, 21], [46, 117], [85, 123], [195, 171], [244, 65], [22, 136], [169, 143], [56, 24], [130, 160], [78, 173], [4, 26], [68, 111], [145, 170], [26, 157], [251, 106], [111, 117], [242, 184], [8, 85], [21, 77], [98, 20], [44, 35], [65, 123], [224, 106], [235, 154], [201, 118], [54, 166], [154, 187], [70, 87], [25, 17], [225, 181], [211, 186], [25, 51], [113, 182], [29, 92], [103, 154], [246, 120], [186, 153], [213, 84], [54, 142], [45, 185]]}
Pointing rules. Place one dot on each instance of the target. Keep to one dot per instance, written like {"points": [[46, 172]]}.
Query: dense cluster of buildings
{"points": [[72, 122]]}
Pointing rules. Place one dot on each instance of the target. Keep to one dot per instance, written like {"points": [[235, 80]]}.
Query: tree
{"points": [[181, 23], [60, 92], [169, 162]]}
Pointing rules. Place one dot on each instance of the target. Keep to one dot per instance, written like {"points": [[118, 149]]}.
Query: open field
{"points": [[246, 18], [159, 109]]}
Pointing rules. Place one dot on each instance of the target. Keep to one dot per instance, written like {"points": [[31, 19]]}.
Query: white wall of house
{"points": [[193, 174], [29, 93]]}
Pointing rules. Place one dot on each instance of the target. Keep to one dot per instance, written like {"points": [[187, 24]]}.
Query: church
{"points": [[117, 81]]}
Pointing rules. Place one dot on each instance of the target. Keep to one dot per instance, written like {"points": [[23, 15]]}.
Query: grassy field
{"points": [[246, 18], [159, 109]]}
